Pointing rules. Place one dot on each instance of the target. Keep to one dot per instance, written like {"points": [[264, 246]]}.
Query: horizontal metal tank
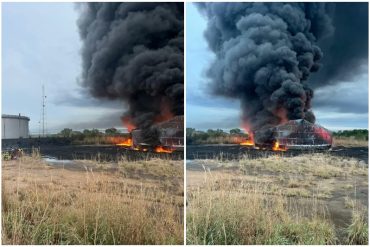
{"points": [[295, 134], [170, 133], [14, 126]]}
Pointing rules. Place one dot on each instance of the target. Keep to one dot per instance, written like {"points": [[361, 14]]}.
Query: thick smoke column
{"points": [[346, 51], [265, 53], [134, 52]]}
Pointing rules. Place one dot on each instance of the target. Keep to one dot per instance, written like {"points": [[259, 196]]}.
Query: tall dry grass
{"points": [[358, 231], [277, 200], [319, 165], [42, 205], [349, 142], [225, 211]]}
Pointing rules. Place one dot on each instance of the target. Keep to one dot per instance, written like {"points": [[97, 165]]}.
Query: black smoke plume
{"points": [[346, 51], [265, 53], [134, 52]]}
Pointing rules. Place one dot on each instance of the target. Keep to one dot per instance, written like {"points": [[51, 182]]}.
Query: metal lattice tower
{"points": [[43, 110]]}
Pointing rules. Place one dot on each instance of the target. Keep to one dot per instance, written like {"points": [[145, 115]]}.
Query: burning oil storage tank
{"points": [[295, 134], [14, 126], [170, 133]]}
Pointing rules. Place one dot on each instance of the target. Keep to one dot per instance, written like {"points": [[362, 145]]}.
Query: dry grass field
{"points": [[125, 203], [308, 199], [349, 142]]}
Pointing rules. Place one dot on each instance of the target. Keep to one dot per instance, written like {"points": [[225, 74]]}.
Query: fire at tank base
{"points": [[293, 135], [170, 138]]}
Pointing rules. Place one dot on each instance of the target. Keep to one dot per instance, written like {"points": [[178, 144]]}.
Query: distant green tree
{"points": [[91, 133], [210, 132], [235, 131], [220, 132], [86, 132], [215, 133], [190, 131], [66, 132], [111, 131], [359, 134], [95, 132], [77, 135]]}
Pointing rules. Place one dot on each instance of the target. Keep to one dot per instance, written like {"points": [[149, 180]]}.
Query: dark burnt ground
{"points": [[232, 151], [101, 153]]}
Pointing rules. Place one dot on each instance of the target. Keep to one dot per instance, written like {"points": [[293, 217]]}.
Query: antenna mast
{"points": [[43, 110]]}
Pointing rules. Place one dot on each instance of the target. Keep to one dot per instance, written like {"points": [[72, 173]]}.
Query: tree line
{"points": [[358, 134], [70, 133], [194, 136]]}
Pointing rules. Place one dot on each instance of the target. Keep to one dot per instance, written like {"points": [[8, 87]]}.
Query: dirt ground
{"points": [[338, 184]]}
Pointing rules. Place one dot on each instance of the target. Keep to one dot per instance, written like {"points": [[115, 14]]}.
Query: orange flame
{"points": [[120, 140], [128, 124], [125, 143], [166, 113], [277, 147], [160, 149], [248, 142]]}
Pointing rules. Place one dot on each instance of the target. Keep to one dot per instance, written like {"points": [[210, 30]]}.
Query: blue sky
{"points": [[41, 45], [343, 106], [203, 110]]}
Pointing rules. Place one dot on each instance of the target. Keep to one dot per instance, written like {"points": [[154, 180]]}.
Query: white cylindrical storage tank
{"points": [[14, 126]]}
